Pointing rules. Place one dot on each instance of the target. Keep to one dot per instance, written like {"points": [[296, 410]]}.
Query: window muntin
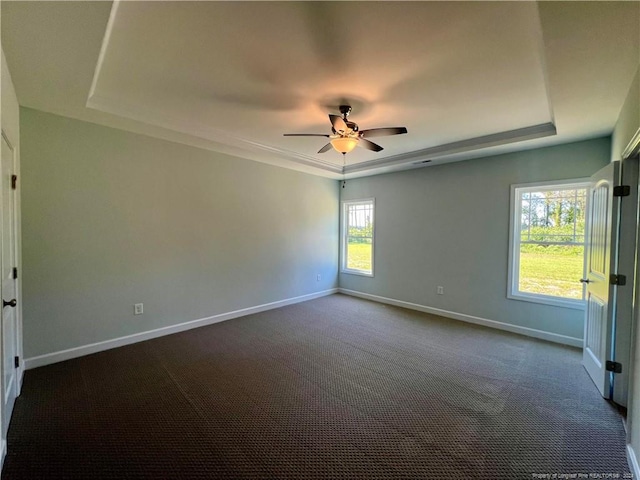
{"points": [[548, 241], [357, 237]]}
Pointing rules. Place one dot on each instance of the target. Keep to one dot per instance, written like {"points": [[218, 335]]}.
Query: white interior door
{"points": [[9, 283], [602, 240]]}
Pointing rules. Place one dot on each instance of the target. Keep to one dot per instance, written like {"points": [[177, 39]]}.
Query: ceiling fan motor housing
{"points": [[345, 110], [351, 125]]}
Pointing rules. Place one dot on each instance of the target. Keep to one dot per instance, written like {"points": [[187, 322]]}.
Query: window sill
{"points": [[547, 300], [357, 272]]}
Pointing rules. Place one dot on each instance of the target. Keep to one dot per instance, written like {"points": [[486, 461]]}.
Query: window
{"points": [[357, 237], [547, 242]]}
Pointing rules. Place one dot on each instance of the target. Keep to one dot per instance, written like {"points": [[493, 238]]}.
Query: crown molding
{"points": [[633, 147], [194, 129], [106, 38], [200, 131], [476, 143]]}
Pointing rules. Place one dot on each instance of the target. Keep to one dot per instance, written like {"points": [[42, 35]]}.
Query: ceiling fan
{"points": [[345, 135]]}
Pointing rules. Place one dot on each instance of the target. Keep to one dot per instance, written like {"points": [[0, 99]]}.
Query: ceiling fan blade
{"points": [[381, 132], [306, 135], [326, 148], [338, 123], [364, 143]]}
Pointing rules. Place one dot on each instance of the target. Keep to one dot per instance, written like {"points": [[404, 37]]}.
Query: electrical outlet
{"points": [[138, 309], [318, 277], [440, 290]]}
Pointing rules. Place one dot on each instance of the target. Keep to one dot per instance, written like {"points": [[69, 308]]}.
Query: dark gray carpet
{"points": [[334, 388]]}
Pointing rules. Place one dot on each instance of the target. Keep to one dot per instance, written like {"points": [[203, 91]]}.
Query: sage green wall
{"points": [[112, 218], [449, 225]]}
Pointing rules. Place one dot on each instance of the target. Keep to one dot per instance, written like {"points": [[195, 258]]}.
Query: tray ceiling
{"points": [[466, 78]]}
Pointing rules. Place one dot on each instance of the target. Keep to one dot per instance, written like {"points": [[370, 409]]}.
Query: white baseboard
{"points": [[530, 332], [70, 353], [633, 461]]}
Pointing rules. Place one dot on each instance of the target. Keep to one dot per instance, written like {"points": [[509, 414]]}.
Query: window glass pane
{"points": [[360, 220], [359, 254], [554, 208], [551, 270], [549, 238], [358, 237]]}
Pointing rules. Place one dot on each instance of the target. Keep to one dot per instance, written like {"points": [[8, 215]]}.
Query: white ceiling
{"points": [[467, 79]]}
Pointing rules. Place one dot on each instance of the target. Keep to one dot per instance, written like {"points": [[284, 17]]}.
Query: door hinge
{"points": [[16, 361], [14, 181], [617, 279], [15, 272], [614, 367], [622, 191]]}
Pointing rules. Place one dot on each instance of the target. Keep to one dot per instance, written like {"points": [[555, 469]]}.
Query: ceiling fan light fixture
{"points": [[345, 135], [344, 144]]}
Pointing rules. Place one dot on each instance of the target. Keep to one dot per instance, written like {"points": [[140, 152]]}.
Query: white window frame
{"points": [[514, 242], [345, 237]]}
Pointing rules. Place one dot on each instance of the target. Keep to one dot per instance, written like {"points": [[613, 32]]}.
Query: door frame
{"points": [[17, 215], [18, 256], [626, 265], [632, 150], [10, 128], [17, 327]]}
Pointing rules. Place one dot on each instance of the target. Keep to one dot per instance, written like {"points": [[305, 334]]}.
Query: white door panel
{"points": [[597, 317], [600, 263]]}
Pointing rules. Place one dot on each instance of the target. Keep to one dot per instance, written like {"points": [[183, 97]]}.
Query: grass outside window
{"points": [[359, 255], [554, 271]]}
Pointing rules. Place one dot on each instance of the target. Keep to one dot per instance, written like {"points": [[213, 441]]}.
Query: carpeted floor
{"points": [[334, 388]]}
